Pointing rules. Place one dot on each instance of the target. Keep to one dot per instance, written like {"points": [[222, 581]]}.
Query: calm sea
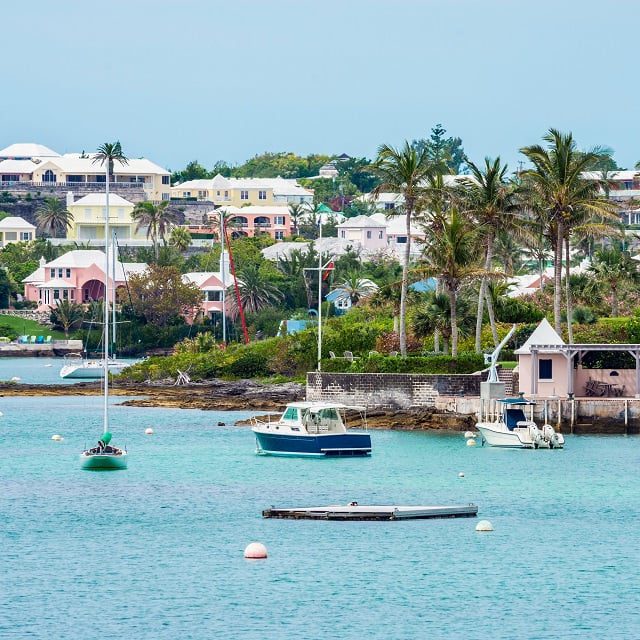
{"points": [[155, 552]]}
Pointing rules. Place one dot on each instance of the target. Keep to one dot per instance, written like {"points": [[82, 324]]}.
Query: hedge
{"points": [[376, 363]]}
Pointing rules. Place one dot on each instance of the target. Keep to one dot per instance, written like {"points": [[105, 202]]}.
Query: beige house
{"points": [[15, 229], [30, 164]]}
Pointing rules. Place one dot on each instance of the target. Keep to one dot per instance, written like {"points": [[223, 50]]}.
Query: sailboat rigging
{"points": [[105, 456]]}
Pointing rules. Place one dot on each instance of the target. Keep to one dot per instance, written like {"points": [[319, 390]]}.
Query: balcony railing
{"points": [[51, 185]]}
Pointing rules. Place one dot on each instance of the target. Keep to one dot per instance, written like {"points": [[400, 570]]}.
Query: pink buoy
{"points": [[255, 551]]}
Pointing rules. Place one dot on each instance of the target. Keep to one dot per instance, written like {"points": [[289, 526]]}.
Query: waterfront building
{"points": [[254, 220], [212, 287], [368, 232], [88, 218], [15, 229], [238, 192], [35, 169], [77, 276]]}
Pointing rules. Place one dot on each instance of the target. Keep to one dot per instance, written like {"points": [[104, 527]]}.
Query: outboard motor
{"points": [[556, 440], [536, 436]]}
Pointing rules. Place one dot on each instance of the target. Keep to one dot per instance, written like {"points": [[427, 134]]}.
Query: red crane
{"points": [[243, 320]]}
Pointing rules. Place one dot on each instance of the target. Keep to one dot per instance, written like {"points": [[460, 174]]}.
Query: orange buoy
{"points": [[255, 551]]}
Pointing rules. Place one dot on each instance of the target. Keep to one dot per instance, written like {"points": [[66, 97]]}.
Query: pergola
{"points": [[570, 351]]}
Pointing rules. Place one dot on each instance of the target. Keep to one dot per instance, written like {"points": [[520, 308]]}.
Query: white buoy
{"points": [[148, 431], [15, 379], [484, 525], [57, 437], [255, 551], [468, 434], [461, 475], [48, 365], [471, 442]]}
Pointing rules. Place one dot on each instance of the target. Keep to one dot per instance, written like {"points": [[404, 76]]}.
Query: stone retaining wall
{"points": [[390, 390]]}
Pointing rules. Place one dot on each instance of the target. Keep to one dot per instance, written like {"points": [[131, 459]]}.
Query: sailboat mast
{"points": [[320, 292], [105, 359], [113, 294]]}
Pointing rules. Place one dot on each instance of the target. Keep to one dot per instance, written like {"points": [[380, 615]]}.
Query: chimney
{"points": [[69, 198], [42, 261]]}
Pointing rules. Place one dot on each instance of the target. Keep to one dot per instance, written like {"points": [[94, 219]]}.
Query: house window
{"points": [[202, 195], [73, 294], [25, 235], [10, 235], [165, 180], [166, 196], [279, 235], [262, 195], [186, 194], [389, 205], [56, 294], [368, 235], [545, 369], [48, 176], [75, 178], [342, 234], [10, 177], [213, 296], [60, 272], [278, 220], [226, 195], [244, 195], [65, 294], [52, 273], [380, 235], [401, 240], [68, 273]]}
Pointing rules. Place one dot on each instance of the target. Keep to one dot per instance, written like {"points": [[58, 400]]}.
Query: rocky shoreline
{"points": [[240, 395]]}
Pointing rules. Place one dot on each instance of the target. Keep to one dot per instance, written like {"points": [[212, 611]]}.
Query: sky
{"points": [[177, 80]]}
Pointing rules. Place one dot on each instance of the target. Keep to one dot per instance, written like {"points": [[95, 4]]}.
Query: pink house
{"points": [[254, 220], [77, 276], [210, 283]]}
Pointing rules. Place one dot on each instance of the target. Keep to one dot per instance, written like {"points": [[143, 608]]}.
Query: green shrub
{"points": [[247, 364], [433, 364]]}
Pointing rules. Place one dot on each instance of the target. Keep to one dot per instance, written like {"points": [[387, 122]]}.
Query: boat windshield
{"points": [[291, 414], [325, 419], [513, 417]]}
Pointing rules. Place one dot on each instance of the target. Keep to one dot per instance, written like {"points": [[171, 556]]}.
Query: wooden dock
{"points": [[373, 512]]}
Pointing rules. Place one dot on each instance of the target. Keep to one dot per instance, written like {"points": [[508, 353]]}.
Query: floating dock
{"points": [[373, 512]]}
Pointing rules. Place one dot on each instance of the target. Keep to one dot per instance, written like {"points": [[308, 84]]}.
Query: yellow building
{"points": [[88, 218], [240, 192]]}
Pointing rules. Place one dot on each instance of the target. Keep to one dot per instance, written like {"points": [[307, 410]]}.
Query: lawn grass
{"points": [[23, 326], [508, 364]]}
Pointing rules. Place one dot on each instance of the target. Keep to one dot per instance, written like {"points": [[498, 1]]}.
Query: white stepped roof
{"points": [[200, 277], [544, 334], [360, 222], [17, 166], [100, 200], [15, 222], [279, 186], [77, 163], [28, 150]]}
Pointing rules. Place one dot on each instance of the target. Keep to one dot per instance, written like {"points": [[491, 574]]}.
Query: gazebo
{"points": [[547, 367]]}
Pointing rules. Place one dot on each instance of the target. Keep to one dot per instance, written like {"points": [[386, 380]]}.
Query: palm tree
{"points": [[403, 171], [255, 291], [296, 212], [109, 153], [157, 218], [556, 183], [612, 268], [451, 254], [356, 288], [435, 315], [67, 314], [53, 217], [180, 238], [490, 202]]}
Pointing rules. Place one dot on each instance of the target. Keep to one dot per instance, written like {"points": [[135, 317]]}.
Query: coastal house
{"points": [[88, 218], [396, 231], [366, 231], [78, 276], [238, 192], [31, 167], [16, 229], [621, 187], [212, 287], [550, 368], [254, 220]]}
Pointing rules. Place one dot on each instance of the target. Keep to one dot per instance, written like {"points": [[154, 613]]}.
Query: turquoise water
{"points": [[37, 370], [156, 551]]}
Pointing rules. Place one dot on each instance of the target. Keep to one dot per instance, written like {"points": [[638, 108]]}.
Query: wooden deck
{"points": [[373, 512]]}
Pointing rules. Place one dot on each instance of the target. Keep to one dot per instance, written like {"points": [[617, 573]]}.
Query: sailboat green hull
{"points": [[103, 461]]}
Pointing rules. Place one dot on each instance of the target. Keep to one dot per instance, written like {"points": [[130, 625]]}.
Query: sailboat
{"points": [[105, 456]]}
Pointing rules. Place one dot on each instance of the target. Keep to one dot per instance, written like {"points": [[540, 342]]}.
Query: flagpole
{"points": [[319, 293]]}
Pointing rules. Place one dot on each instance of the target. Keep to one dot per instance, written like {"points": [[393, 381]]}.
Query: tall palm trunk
{"points": [[557, 279], [405, 285], [482, 296], [454, 321], [568, 291], [436, 333], [492, 319]]}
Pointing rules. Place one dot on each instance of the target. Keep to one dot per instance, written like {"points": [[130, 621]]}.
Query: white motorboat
{"points": [[75, 366], [511, 428]]}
